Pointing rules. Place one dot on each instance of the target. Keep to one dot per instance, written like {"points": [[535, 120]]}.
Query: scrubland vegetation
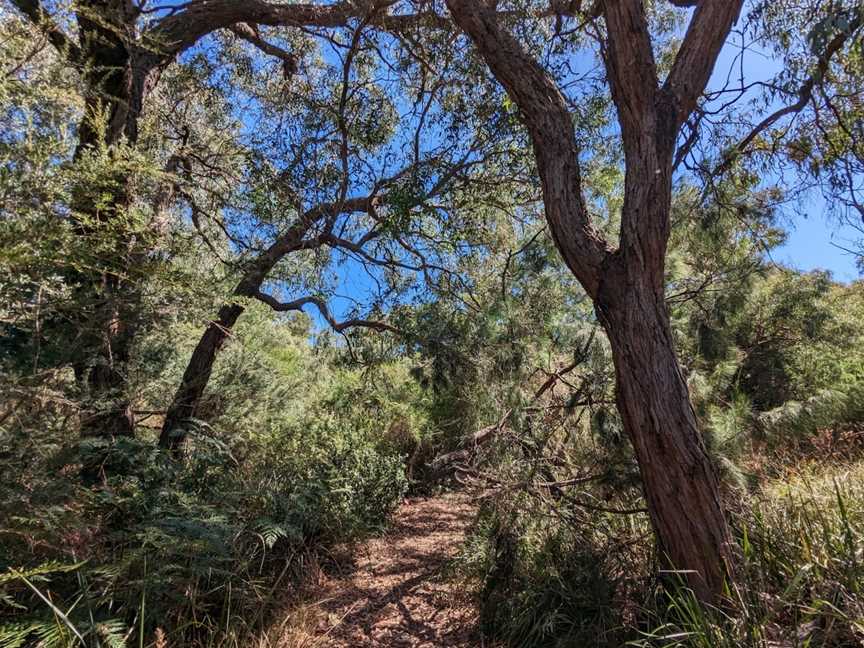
{"points": [[268, 268]]}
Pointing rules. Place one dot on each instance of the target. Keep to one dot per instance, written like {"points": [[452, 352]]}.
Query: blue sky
{"points": [[813, 244], [815, 241]]}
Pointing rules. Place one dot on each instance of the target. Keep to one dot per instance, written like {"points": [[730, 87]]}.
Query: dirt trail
{"points": [[395, 596]]}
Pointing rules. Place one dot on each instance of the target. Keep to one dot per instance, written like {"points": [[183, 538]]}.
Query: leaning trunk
{"points": [[196, 377], [197, 374], [678, 478]]}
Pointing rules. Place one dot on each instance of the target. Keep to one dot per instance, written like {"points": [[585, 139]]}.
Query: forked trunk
{"points": [[678, 478], [626, 281]]}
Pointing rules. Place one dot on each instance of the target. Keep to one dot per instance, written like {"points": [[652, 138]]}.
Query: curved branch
{"points": [[180, 30], [321, 305], [805, 93], [544, 111]]}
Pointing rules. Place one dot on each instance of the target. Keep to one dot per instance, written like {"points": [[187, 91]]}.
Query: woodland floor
{"points": [[394, 592]]}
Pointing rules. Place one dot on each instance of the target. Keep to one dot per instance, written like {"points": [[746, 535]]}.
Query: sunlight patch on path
{"points": [[395, 596]]}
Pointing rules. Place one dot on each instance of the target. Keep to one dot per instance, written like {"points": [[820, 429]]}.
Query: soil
{"points": [[397, 593]]}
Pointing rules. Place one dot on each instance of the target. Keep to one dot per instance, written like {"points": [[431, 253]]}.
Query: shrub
{"points": [[183, 548]]}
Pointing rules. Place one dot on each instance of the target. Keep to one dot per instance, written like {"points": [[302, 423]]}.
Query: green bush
{"points": [[547, 582], [179, 546]]}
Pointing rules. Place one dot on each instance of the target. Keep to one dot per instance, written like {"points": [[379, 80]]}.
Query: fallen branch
{"points": [[470, 444]]}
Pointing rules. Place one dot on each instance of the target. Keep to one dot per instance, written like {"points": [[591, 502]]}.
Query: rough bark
{"points": [[627, 283], [678, 479], [117, 80]]}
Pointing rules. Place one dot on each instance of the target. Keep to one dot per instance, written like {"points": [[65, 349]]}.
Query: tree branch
{"points": [[544, 111], [805, 93], [631, 71], [321, 305], [250, 34], [179, 31], [706, 34], [37, 15]]}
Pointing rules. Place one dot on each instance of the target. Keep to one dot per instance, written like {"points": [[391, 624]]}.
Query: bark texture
{"points": [[627, 283], [678, 479], [117, 80]]}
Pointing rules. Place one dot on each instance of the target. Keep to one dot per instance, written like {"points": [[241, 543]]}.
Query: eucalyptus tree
{"points": [[120, 49], [656, 86], [654, 76], [359, 168]]}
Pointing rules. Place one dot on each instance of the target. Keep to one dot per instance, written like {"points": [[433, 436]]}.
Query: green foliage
{"points": [[304, 440], [209, 539], [801, 572], [783, 363], [545, 583], [553, 565]]}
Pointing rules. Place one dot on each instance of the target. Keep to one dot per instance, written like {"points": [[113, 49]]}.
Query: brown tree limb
{"points": [[631, 71], [544, 111], [250, 34], [43, 21], [179, 31], [697, 55], [321, 305]]}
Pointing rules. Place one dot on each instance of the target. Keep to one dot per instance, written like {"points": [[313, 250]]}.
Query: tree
{"points": [[358, 161], [627, 283], [122, 50]]}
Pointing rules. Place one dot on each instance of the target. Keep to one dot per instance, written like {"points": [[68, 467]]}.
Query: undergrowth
{"points": [[192, 554], [799, 583]]}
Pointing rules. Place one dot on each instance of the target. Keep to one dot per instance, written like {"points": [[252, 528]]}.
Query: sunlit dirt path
{"points": [[395, 595]]}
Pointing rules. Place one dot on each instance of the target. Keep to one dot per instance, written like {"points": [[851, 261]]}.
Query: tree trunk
{"points": [[626, 282], [200, 366], [119, 75], [678, 478], [195, 378], [110, 412]]}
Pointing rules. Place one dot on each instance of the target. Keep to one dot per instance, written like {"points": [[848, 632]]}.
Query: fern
{"points": [[15, 634], [38, 573]]}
